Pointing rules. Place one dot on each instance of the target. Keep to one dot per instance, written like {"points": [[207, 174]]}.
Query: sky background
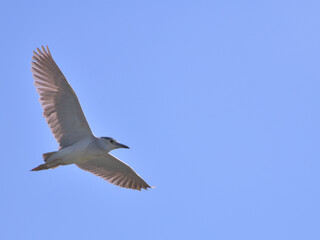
{"points": [[218, 101]]}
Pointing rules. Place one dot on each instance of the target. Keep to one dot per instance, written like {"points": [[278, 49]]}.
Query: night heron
{"points": [[78, 145]]}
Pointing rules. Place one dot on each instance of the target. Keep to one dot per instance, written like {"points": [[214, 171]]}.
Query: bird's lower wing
{"points": [[114, 171]]}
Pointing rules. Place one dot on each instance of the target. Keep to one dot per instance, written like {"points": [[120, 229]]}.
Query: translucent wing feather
{"points": [[114, 171], [61, 107]]}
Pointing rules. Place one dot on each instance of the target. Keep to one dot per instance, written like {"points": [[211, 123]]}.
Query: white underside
{"points": [[79, 152]]}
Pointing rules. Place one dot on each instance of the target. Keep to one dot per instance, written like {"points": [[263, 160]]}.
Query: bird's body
{"points": [[68, 124], [79, 152]]}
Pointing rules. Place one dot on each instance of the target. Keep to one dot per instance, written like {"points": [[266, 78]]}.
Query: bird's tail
{"points": [[45, 166], [48, 165], [41, 167]]}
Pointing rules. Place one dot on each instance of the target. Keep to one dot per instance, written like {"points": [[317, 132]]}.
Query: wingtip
{"points": [[41, 50], [49, 51], [147, 188]]}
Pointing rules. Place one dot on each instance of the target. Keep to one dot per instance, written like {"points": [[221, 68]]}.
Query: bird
{"points": [[68, 124]]}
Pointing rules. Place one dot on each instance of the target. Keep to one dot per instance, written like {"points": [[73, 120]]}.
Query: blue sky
{"points": [[218, 101]]}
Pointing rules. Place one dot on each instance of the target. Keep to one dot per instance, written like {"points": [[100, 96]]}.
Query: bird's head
{"points": [[113, 143]]}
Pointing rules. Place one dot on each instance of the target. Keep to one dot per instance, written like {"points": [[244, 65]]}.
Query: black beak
{"points": [[122, 145]]}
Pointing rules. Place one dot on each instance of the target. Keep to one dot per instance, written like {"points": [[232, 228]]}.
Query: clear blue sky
{"points": [[218, 101]]}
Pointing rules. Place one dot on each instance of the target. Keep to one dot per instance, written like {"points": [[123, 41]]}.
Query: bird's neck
{"points": [[104, 145]]}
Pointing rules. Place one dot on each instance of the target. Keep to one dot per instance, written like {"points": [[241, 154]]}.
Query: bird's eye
{"points": [[111, 141]]}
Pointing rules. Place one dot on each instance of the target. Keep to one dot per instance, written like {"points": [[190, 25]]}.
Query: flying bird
{"points": [[77, 144]]}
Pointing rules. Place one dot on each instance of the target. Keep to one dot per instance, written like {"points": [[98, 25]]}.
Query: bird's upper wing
{"points": [[61, 107], [114, 171]]}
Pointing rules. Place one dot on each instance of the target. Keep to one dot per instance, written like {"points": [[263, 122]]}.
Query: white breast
{"points": [[79, 152]]}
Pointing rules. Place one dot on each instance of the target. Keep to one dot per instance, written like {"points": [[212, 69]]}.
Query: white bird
{"points": [[62, 110]]}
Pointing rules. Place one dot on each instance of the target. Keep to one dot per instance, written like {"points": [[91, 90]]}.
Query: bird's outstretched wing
{"points": [[61, 107], [114, 171]]}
